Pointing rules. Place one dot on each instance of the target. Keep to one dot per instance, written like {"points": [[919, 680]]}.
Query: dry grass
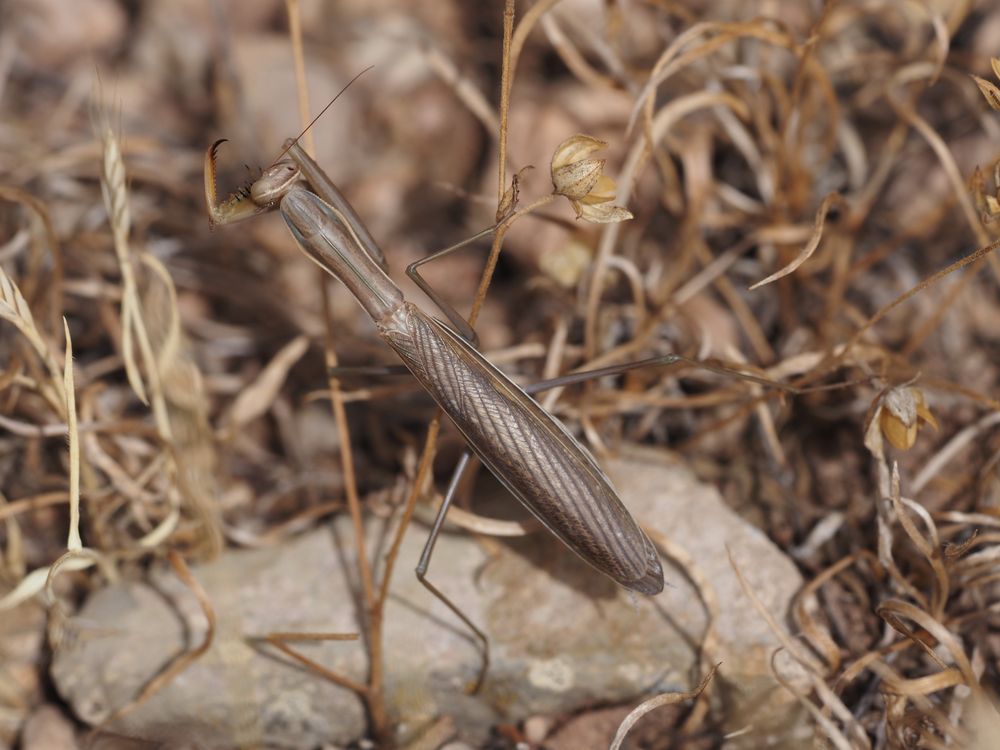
{"points": [[815, 192]]}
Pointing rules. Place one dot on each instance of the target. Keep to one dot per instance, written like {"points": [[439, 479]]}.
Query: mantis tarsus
{"points": [[526, 448]]}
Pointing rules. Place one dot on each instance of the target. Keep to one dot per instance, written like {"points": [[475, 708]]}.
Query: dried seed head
{"points": [[900, 414], [574, 149], [580, 179], [576, 179]]}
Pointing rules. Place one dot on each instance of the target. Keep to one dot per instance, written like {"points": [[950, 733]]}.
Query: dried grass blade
{"points": [[664, 699], [833, 732], [256, 399], [73, 543], [893, 611], [34, 583], [115, 195], [279, 641], [14, 308], [990, 92], [810, 248]]}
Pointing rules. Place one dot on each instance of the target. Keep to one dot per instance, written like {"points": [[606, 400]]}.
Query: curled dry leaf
{"points": [[508, 203], [655, 702]]}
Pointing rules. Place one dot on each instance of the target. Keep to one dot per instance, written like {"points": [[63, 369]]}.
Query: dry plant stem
{"points": [[505, 79], [894, 611], [917, 338], [672, 60], [419, 480], [810, 247], [740, 307], [435, 736], [278, 641], [13, 564], [295, 32], [427, 454], [814, 633], [482, 525], [373, 610], [35, 502], [806, 660], [796, 649], [73, 543], [346, 454]]}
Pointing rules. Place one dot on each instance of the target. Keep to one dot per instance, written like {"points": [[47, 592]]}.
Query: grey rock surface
{"points": [[562, 636]]}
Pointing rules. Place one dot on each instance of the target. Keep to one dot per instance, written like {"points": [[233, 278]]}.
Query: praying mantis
{"points": [[526, 448]]}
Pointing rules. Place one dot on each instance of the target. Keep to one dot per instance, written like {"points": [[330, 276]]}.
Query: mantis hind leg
{"points": [[425, 560]]}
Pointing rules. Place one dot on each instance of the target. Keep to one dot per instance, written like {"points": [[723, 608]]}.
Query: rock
{"points": [[562, 637], [235, 694], [48, 729]]}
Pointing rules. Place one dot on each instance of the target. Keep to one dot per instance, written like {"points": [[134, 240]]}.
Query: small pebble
{"points": [[537, 728]]}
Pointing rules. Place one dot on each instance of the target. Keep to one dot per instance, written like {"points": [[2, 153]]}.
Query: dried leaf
{"points": [[990, 91], [258, 397], [602, 213]]}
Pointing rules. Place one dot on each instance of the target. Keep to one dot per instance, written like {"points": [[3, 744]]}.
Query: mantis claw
{"points": [[236, 207]]}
